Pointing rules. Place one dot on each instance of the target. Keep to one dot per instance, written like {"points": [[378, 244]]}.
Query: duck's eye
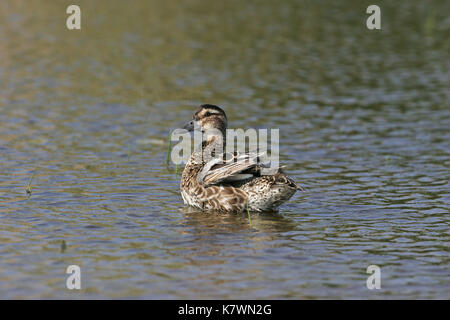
{"points": [[207, 114]]}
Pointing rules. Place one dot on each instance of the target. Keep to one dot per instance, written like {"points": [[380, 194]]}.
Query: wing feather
{"points": [[231, 169]]}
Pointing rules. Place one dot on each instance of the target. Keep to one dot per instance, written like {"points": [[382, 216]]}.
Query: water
{"points": [[364, 124]]}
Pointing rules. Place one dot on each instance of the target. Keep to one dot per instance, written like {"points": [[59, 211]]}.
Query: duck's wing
{"points": [[230, 168]]}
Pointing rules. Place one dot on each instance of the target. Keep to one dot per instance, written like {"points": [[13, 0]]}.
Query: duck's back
{"points": [[255, 191], [268, 192]]}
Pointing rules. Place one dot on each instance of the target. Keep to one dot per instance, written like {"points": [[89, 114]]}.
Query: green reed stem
{"points": [[28, 188], [63, 246], [169, 148], [248, 213]]}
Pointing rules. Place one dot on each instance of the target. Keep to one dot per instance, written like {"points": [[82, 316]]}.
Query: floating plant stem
{"points": [[28, 188], [63, 246], [169, 148], [248, 213]]}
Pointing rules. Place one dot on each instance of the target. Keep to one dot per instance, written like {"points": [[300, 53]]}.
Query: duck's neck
{"points": [[212, 146]]}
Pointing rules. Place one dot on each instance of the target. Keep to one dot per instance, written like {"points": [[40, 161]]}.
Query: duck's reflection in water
{"points": [[214, 238], [213, 222]]}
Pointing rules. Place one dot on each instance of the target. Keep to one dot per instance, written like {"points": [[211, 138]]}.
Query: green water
{"points": [[364, 120]]}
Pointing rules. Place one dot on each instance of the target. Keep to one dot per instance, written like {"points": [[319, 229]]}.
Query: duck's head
{"points": [[206, 117]]}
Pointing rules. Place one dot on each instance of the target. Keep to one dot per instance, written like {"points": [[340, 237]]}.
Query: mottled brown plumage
{"points": [[233, 182]]}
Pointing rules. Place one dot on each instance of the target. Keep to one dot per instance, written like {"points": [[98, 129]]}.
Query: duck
{"points": [[213, 180]]}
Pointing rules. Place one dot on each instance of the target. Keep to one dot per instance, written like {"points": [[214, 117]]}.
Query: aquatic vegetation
{"points": [[28, 187], [63, 246], [169, 150], [249, 217]]}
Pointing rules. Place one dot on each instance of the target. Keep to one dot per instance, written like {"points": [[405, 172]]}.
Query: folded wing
{"points": [[230, 168]]}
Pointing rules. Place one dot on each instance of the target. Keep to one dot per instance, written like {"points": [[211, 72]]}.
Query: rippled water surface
{"points": [[364, 120]]}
